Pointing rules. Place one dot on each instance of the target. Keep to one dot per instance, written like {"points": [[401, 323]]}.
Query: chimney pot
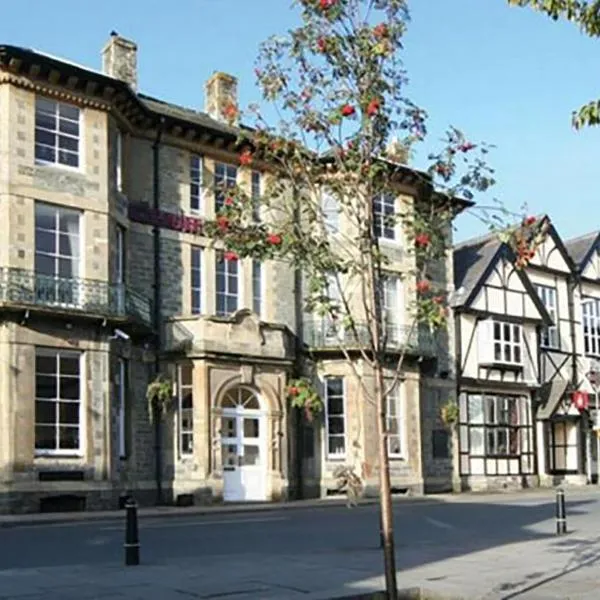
{"points": [[119, 59]]}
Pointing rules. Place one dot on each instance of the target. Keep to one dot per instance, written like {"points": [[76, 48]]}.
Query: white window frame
{"points": [[121, 385], [67, 290], [255, 193], [258, 291], [40, 111], [505, 342], [392, 283], [184, 431], [119, 160], [227, 264], [549, 337], [344, 417], [380, 202], [225, 179], [55, 353], [196, 168], [331, 212], [197, 290], [395, 398], [590, 320]]}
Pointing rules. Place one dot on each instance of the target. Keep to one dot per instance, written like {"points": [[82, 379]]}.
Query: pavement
{"points": [[470, 546]]}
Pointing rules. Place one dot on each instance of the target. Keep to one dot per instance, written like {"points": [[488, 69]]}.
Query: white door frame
{"points": [[243, 482]]}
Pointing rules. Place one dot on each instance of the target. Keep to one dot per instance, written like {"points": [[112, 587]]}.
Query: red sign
{"points": [[581, 400], [142, 213]]}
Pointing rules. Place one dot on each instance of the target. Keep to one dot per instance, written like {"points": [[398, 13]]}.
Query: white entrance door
{"points": [[243, 448]]}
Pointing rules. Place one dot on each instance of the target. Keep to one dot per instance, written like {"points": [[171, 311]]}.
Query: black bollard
{"points": [[132, 540], [561, 513]]}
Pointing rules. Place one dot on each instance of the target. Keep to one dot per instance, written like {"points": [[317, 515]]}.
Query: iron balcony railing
{"points": [[19, 286], [325, 334]]}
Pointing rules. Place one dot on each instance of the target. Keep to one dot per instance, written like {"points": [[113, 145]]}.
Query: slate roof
{"points": [[471, 259], [149, 104], [579, 248]]}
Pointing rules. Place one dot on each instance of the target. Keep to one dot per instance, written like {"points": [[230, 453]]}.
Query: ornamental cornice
{"points": [[60, 93]]}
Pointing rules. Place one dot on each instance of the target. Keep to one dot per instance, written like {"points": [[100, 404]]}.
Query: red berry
{"points": [[422, 240], [229, 255], [348, 110], [274, 239]]}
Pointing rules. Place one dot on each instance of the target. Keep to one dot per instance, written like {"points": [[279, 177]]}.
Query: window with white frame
{"points": [[185, 399], [591, 326], [121, 404], [57, 254], [225, 177], [335, 404], [57, 133], [119, 160], [196, 166], [507, 342], [384, 212], [331, 212], [257, 283], [256, 193], [196, 279], [549, 337], [394, 418], [58, 404], [331, 320], [227, 275], [391, 309]]}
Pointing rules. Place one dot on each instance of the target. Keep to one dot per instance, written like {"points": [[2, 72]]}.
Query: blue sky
{"points": [[505, 75]]}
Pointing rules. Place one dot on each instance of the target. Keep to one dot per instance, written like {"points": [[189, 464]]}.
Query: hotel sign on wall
{"points": [[143, 213]]}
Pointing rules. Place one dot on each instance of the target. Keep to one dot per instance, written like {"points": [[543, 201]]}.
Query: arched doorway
{"points": [[243, 446]]}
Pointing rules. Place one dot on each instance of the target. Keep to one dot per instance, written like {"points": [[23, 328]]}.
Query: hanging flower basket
{"points": [[159, 394], [449, 413], [305, 397]]}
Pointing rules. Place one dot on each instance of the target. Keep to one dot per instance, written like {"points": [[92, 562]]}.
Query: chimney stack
{"points": [[221, 101], [119, 59]]}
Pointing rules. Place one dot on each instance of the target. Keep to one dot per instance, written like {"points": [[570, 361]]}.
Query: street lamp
{"points": [[593, 376]]}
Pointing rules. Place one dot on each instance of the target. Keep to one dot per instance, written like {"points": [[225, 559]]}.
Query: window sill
{"points": [[49, 454], [67, 168], [336, 458], [497, 364]]}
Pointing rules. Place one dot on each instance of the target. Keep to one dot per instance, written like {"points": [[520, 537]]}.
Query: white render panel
{"points": [[548, 255]]}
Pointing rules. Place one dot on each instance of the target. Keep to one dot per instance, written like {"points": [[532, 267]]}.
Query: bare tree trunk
{"points": [[385, 494]]}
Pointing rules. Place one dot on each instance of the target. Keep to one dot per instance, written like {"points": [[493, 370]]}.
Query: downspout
{"points": [[298, 309], [157, 320]]}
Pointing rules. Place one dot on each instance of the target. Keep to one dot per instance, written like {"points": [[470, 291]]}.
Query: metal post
{"points": [[561, 514], [380, 531], [132, 540]]}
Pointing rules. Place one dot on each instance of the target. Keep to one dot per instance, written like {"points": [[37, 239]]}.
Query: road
{"points": [[440, 545]]}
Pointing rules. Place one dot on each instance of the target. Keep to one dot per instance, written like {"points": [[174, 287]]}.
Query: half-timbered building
{"points": [[497, 314], [560, 427], [585, 254]]}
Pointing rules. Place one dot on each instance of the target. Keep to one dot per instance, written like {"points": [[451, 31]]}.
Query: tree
{"points": [[587, 16], [334, 159]]}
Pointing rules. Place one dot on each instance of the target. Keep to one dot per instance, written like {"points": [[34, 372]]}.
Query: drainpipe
{"points": [[298, 309], [157, 320]]}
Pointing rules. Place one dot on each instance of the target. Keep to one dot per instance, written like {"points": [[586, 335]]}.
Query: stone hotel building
{"points": [[106, 280]]}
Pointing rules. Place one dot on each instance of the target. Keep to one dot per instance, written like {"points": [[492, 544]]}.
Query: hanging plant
{"points": [[449, 413], [159, 393], [304, 396]]}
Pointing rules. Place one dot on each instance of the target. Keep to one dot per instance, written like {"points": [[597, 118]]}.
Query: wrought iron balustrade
{"points": [[325, 334], [27, 288]]}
